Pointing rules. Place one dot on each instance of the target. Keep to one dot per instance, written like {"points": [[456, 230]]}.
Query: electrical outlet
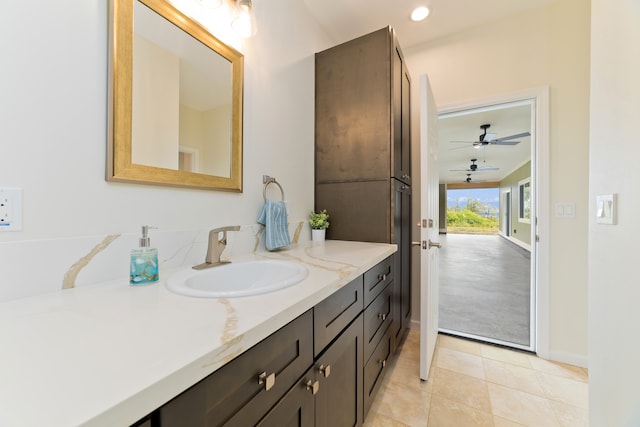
{"points": [[6, 211], [10, 209]]}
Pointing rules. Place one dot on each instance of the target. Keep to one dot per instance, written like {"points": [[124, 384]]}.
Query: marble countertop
{"points": [[108, 354]]}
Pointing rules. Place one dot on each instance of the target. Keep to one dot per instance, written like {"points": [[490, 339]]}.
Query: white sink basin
{"points": [[237, 279]]}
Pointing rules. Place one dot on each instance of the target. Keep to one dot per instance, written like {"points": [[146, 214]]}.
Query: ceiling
{"points": [[505, 120], [345, 20]]}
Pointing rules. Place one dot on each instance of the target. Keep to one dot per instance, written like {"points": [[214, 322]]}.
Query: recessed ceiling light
{"points": [[419, 13]]}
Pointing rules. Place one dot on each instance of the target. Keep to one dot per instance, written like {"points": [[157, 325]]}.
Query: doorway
{"points": [[488, 282]]}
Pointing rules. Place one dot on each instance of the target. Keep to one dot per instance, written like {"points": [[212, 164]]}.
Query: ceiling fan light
{"points": [[419, 13]]}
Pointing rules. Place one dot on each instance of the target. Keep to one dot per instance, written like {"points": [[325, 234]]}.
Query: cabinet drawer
{"points": [[234, 395], [375, 369], [333, 314], [376, 279], [377, 318]]}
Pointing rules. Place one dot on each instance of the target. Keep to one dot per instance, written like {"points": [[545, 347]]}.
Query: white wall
{"points": [[54, 117], [548, 46], [614, 284]]}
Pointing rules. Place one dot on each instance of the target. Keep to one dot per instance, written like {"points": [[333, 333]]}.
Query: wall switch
{"points": [[10, 209], [606, 209]]}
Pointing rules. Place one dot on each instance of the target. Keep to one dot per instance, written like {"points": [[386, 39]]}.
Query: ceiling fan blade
{"points": [[489, 137], [460, 148], [486, 168], [505, 142], [464, 142], [506, 138]]}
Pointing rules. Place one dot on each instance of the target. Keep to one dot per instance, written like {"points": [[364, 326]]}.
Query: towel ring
{"points": [[269, 180]]}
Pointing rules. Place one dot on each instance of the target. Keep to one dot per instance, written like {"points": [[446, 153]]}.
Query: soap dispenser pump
{"points": [[144, 261]]}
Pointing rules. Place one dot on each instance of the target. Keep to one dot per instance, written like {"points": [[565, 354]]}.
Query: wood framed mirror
{"points": [[175, 100]]}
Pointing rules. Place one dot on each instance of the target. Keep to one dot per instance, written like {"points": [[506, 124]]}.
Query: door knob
{"points": [[434, 244]]}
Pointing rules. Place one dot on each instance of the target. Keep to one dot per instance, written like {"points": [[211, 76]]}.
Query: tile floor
{"points": [[475, 384]]}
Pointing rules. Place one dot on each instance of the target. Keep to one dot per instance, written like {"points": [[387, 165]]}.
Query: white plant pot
{"points": [[318, 235]]}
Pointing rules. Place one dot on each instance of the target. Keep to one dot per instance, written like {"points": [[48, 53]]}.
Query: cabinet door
{"points": [[295, 409], [352, 99], [242, 391], [401, 114], [359, 210], [402, 270], [339, 375]]}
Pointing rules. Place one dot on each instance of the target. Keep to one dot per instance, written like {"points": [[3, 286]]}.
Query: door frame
{"points": [[506, 212], [540, 227]]}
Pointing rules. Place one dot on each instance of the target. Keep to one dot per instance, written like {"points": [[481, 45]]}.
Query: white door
{"points": [[429, 227]]}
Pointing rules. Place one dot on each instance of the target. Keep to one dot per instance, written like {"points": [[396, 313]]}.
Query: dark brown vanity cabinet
{"points": [[322, 369], [363, 151], [242, 391]]}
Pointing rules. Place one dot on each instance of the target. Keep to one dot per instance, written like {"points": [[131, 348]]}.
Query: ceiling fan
{"points": [[473, 167], [489, 138], [468, 179]]}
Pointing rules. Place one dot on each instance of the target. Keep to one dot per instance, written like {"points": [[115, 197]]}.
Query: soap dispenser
{"points": [[144, 261]]}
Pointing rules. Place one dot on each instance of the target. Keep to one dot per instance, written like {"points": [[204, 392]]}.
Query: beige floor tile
{"points": [[459, 344], [473, 384], [449, 413], [557, 368], [458, 361], [404, 404], [573, 392], [379, 420], [570, 416], [503, 422], [521, 407], [407, 373], [462, 388], [516, 377], [506, 355]]}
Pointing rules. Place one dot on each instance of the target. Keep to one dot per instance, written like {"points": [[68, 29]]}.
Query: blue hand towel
{"points": [[274, 218]]}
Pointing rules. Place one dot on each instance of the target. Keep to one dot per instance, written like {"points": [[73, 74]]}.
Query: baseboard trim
{"points": [[569, 358]]}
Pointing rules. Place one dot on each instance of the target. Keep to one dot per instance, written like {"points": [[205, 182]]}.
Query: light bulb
{"points": [[244, 19], [420, 13]]}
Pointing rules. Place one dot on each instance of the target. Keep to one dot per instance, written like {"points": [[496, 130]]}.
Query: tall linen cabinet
{"points": [[363, 151]]}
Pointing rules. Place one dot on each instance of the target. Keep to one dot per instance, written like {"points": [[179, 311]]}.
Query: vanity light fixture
{"points": [[211, 4], [244, 19], [420, 14]]}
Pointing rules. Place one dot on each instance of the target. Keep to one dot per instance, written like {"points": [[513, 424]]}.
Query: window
{"points": [[524, 211]]}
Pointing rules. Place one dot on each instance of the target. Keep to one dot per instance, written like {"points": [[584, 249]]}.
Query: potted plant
{"points": [[319, 223]]}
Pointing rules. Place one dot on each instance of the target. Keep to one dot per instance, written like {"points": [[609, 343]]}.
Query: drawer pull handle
{"points": [[383, 362], [313, 386], [268, 380], [382, 276], [326, 370], [382, 316]]}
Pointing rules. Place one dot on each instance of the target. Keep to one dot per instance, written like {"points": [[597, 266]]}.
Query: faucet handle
{"points": [[216, 247]]}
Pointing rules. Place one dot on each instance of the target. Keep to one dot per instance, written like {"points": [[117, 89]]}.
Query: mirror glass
{"points": [[177, 100]]}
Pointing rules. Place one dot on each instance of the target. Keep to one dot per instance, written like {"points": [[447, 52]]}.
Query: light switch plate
{"points": [[606, 209]]}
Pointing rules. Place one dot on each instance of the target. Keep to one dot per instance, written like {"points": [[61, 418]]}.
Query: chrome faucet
{"points": [[216, 246]]}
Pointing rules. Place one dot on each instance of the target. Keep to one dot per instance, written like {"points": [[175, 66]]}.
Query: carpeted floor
{"points": [[485, 287]]}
